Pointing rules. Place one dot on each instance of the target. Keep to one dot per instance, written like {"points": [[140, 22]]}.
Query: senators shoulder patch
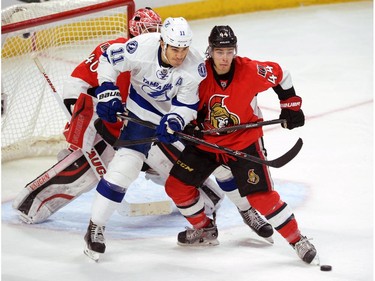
{"points": [[262, 70]]}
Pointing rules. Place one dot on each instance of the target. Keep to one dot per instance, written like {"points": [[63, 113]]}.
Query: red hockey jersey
{"points": [[86, 70], [237, 102]]}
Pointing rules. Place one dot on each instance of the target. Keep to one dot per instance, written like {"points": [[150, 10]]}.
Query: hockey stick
{"points": [[243, 126], [66, 112], [120, 143], [94, 159], [114, 141], [276, 163]]}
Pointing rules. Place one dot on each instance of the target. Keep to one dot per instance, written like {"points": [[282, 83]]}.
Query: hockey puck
{"points": [[325, 267]]}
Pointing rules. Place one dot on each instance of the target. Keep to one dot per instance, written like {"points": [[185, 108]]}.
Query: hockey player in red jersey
{"points": [[228, 96]]}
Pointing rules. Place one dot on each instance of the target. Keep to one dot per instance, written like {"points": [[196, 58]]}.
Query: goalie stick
{"points": [[276, 163], [137, 208]]}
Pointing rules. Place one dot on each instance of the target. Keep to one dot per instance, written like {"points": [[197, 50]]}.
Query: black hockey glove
{"points": [[292, 113], [193, 130]]}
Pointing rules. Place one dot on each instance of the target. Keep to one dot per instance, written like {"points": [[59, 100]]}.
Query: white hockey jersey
{"points": [[155, 90]]}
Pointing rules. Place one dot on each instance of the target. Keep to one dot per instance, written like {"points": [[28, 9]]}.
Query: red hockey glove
{"points": [[292, 113]]}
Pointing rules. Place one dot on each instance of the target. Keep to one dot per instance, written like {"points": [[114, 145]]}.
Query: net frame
{"points": [[62, 30]]}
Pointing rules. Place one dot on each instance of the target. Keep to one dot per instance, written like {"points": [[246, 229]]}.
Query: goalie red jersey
{"points": [[86, 70], [223, 100], [83, 81]]}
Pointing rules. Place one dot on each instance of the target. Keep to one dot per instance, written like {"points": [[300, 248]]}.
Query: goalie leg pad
{"points": [[212, 196], [58, 186]]}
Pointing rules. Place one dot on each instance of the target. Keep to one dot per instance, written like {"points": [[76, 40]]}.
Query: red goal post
{"points": [[62, 34]]}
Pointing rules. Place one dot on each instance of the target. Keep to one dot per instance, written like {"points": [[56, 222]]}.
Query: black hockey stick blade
{"points": [[243, 126], [288, 156], [276, 163]]}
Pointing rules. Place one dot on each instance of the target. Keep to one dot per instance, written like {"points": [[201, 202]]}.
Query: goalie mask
{"points": [[144, 20], [222, 36]]}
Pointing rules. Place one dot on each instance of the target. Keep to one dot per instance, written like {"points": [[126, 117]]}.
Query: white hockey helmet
{"points": [[176, 32]]}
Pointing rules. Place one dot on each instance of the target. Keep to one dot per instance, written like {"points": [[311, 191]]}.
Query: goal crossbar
{"points": [[11, 27]]}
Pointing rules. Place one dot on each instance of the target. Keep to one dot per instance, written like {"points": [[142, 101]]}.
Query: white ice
{"points": [[329, 185]]}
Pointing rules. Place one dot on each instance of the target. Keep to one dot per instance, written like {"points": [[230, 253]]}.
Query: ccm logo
{"points": [[184, 166]]}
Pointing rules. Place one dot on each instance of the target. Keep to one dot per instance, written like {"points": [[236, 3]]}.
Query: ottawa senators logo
{"points": [[219, 115], [253, 177]]}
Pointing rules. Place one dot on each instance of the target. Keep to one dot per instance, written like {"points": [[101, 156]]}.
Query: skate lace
{"points": [[97, 235], [253, 219], [303, 246], [192, 233]]}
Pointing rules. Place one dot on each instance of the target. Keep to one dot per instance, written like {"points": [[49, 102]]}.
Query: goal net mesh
{"points": [[61, 34]]}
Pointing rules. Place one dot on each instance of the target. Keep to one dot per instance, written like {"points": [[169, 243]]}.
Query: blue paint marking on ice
{"points": [[75, 216]]}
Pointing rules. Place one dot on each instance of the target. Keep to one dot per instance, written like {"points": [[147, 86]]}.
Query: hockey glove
{"points": [[292, 113], [169, 124], [193, 130], [109, 102]]}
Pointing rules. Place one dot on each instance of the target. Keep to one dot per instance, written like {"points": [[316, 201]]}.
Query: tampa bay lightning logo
{"points": [[162, 74], [131, 47], [202, 70], [157, 91]]}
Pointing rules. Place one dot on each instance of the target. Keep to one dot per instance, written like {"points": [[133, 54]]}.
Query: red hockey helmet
{"points": [[144, 20]]}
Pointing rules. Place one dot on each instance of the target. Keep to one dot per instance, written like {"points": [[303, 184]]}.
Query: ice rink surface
{"points": [[329, 185]]}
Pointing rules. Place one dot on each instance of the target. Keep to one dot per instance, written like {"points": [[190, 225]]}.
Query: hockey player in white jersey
{"points": [[165, 74]]}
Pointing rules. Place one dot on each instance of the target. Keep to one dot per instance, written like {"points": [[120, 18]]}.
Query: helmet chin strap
{"points": [[164, 53]]}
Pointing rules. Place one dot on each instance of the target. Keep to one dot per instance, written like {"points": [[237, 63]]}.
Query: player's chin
{"points": [[176, 63]]}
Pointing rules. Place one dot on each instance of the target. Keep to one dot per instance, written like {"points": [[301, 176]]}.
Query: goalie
{"points": [[72, 175]]}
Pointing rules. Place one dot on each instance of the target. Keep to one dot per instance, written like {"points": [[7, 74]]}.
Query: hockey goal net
{"points": [[61, 34]]}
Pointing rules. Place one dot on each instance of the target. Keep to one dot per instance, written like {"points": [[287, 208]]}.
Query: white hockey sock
{"points": [[102, 209], [241, 202]]}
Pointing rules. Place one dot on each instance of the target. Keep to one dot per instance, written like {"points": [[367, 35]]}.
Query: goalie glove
{"points": [[292, 113], [109, 102]]}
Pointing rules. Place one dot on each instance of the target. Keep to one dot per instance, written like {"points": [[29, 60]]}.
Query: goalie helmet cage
{"points": [[61, 34]]}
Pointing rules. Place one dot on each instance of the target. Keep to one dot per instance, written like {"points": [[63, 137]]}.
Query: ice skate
{"points": [[306, 251], [257, 224], [95, 242], [206, 236]]}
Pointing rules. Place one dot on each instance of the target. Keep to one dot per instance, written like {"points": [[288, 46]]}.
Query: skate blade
{"points": [[205, 243], [269, 239], [91, 254], [315, 261]]}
